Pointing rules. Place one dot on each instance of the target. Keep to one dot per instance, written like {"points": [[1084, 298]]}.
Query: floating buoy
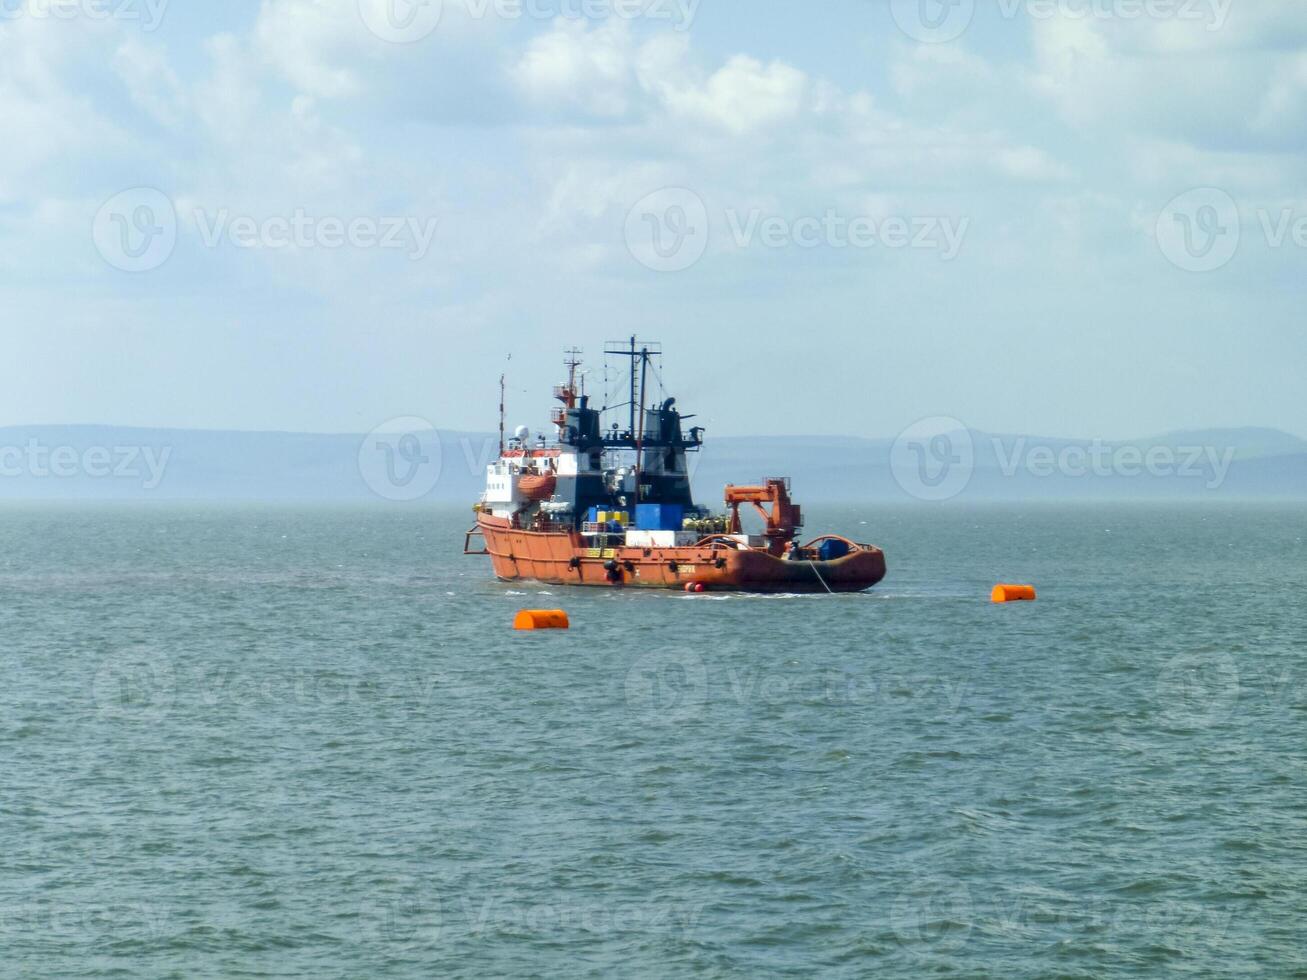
{"points": [[541, 619], [694, 586], [1013, 593]]}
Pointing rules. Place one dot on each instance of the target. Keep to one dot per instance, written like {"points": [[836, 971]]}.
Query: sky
{"points": [[1084, 218]]}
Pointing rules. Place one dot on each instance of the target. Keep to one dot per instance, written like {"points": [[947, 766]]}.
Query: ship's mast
{"points": [[640, 357], [501, 415], [639, 438], [638, 383], [572, 362], [634, 402], [566, 393]]}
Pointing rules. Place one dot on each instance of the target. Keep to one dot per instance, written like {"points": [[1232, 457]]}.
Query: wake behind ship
{"points": [[613, 507]]}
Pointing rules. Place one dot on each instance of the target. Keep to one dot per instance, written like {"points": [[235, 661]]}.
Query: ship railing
{"points": [[467, 542], [720, 541], [591, 528], [545, 524], [853, 545]]}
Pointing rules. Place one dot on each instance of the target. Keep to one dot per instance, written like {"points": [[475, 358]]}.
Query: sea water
{"points": [[268, 741]]}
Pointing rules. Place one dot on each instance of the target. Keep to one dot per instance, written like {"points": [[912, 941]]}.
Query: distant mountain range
{"points": [[117, 463]]}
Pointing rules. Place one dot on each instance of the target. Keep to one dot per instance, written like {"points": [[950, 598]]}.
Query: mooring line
{"points": [[813, 565]]}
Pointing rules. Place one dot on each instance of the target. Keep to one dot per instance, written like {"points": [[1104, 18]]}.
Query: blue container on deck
{"points": [[830, 549], [659, 517]]}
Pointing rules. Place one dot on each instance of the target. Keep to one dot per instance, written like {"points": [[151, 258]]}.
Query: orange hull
{"points": [[562, 557]]}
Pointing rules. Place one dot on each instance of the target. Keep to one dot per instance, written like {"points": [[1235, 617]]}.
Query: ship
{"points": [[612, 507]]}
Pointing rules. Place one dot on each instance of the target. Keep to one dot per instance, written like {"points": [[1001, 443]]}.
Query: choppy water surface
{"points": [[248, 742]]}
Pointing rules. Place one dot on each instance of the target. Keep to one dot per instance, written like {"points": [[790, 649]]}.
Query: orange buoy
{"points": [[541, 619], [1013, 593]]}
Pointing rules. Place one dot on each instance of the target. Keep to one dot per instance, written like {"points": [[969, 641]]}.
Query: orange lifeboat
{"points": [[537, 486]]}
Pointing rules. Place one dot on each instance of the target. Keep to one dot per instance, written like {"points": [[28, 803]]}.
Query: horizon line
{"points": [[493, 433]]}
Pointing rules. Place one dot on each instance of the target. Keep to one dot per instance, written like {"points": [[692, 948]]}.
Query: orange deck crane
{"points": [[782, 521]]}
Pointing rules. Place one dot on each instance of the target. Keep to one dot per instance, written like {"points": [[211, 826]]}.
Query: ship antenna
{"points": [[633, 400], [639, 439], [572, 362], [501, 414]]}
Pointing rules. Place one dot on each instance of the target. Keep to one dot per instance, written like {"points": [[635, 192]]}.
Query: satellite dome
{"points": [[522, 433]]}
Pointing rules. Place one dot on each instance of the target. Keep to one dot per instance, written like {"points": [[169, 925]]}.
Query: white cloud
{"points": [[572, 68], [228, 100], [150, 80], [603, 74], [1179, 79], [48, 121], [1028, 163], [925, 69], [1283, 108], [530, 142], [312, 44], [742, 96], [324, 48]]}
